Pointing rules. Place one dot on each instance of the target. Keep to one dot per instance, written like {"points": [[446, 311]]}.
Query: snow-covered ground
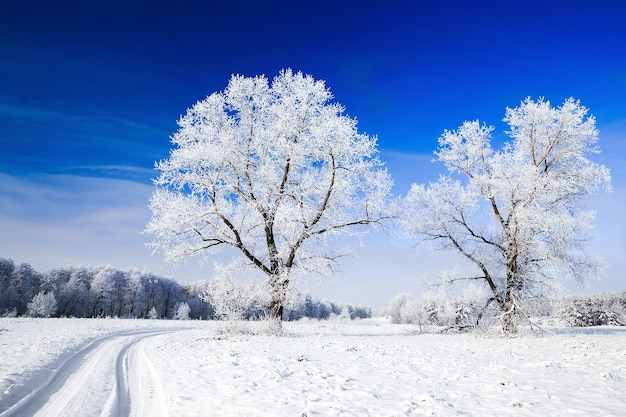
{"points": [[328, 368]]}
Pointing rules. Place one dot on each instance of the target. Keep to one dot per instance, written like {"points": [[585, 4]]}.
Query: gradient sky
{"points": [[90, 92]]}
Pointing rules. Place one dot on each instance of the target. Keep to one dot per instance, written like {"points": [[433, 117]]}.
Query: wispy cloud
{"points": [[59, 137], [64, 112], [56, 220]]}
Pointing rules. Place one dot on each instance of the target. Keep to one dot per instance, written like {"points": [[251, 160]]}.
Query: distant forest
{"points": [[105, 291]]}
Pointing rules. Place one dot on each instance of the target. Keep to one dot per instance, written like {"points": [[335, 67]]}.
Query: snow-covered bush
{"points": [[437, 308], [234, 299], [403, 309], [345, 313], [472, 307], [154, 314], [42, 305], [593, 310], [182, 311]]}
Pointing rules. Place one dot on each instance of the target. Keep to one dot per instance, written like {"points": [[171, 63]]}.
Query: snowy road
{"points": [[111, 376]]}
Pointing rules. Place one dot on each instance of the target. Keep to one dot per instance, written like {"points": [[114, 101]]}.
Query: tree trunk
{"points": [[513, 286], [507, 320], [276, 310], [276, 314], [279, 284]]}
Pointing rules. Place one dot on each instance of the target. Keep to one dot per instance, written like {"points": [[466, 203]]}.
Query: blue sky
{"points": [[90, 92]]}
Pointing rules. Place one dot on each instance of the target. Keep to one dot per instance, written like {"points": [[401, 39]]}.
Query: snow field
{"points": [[373, 368], [333, 368]]}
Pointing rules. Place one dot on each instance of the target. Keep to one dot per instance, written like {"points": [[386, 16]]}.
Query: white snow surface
{"points": [[318, 368]]}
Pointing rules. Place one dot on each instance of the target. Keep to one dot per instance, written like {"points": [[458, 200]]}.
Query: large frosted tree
{"points": [[515, 214], [271, 170]]}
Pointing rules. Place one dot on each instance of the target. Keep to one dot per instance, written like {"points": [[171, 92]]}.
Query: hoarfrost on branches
{"points": [[515, 214], [271, 171], [154, 314], [182, 311], [43, 305]]}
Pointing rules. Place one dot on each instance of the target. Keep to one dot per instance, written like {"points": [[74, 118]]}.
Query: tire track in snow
{"points": [[111, 376], [138, 387]]}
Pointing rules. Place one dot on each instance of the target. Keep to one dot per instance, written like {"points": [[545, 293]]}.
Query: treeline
{"points": [[98, 291], [105, 291]]}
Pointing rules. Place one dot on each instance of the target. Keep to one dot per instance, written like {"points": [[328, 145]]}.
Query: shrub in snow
{"points": [[154, 314], [379, 312], [593, 310], [42, 305], [234, 299], [403, 309], [436, 308], [182, 311], [345, 313], [472, 307]]}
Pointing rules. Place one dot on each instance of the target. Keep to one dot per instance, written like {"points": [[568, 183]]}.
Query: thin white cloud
{"points": [[55, 220], [66, 113]]}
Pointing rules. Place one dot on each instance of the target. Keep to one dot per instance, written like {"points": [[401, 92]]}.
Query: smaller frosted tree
{"points": [[516, 214], [154, 314], [43, 305], [403, 309], [182, 311]]}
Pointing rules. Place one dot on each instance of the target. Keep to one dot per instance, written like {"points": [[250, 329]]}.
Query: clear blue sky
{"points": [[90, 92]]}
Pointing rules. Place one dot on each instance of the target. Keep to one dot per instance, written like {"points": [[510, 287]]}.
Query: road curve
{"points": [[110, 377]]}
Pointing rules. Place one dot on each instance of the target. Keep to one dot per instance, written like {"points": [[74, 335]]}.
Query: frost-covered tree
{"points": [[182, 311], [270, 170], [234, 300], [8, 293], [73, 295], [103, 291], [25, 283], [154, 314], [515, 214], [43, 305], [403, 309]]}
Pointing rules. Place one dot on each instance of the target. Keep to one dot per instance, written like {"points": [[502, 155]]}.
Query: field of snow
{"points": [[110, 367]]}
